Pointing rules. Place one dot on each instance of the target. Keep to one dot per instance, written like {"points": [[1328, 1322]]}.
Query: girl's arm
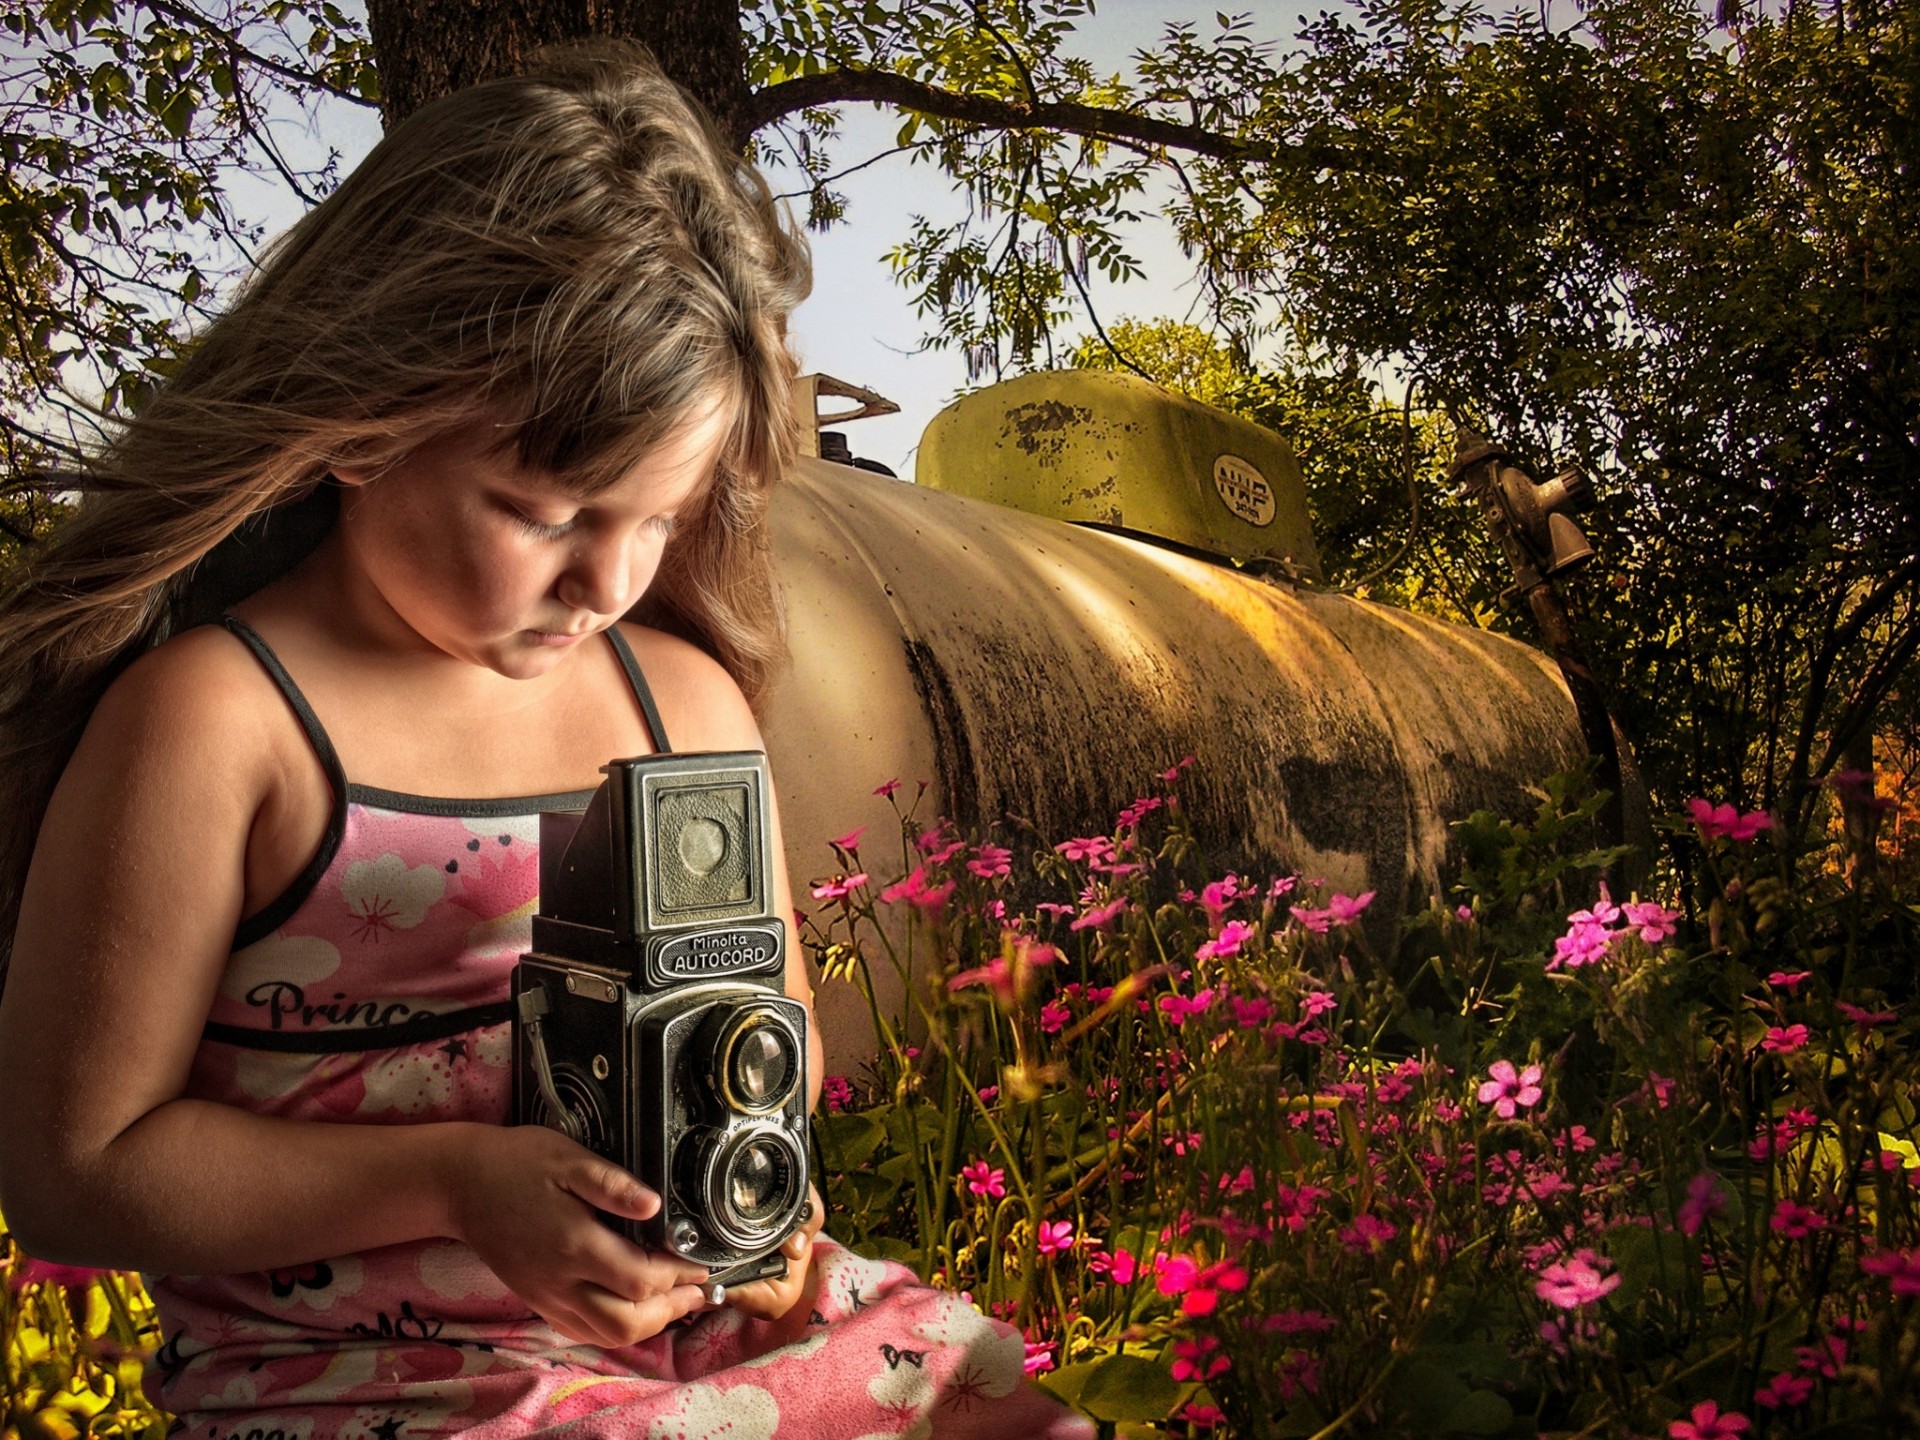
{"points": [[137, 883]]}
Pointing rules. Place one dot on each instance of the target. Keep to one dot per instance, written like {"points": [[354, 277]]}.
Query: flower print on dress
{"points": [[995, 1356], [784, 1353], [497, 883], [454, 1272], [411, 1080], [705, 1412], [387, 894], [347, 1370], [319, 1286], [299, 960], [850, 1281], [265, 1075]]}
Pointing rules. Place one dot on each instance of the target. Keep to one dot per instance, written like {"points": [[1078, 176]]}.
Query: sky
{"points": [[859, 324]]}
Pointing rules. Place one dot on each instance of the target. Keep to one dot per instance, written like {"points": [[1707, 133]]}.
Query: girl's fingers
{"points": [[605, 1186], [627, 1322], [608, 1261]]}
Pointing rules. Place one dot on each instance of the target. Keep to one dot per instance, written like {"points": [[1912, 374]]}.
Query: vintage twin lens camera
{"points": [[650, 1023]]}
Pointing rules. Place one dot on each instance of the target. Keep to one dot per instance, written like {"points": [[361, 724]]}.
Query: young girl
{"points": [[526, 367]]}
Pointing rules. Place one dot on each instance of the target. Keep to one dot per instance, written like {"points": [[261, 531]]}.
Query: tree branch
{"points": [[1090, 121]]}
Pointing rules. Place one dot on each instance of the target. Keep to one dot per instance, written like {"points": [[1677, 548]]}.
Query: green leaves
{"points": [[124, 132], [1120, 1387]]}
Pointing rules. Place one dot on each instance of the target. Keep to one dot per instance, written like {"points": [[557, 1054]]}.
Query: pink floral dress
{"points": [[373, 993]]}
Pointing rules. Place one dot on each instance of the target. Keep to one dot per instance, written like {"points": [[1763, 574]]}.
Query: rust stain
{"points": [[1043, 428]]}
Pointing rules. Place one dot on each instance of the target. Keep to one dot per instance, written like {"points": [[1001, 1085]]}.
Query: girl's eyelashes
{"points": [[539, 528], [662, 525]]}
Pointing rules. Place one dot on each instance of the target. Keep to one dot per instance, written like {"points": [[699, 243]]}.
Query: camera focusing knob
{"points": [[716, 1294], [686, 1239]]}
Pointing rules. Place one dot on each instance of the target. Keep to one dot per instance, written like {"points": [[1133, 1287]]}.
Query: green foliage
{"points": [[122, 135]]}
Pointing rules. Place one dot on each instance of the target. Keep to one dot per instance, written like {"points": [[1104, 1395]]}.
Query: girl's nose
{"points": [[606, 577]]}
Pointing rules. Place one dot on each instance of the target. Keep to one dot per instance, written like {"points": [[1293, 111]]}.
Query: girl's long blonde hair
{"points": [[572, 255]]}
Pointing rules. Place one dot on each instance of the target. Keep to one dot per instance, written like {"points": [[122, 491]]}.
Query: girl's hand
{"points": [[524, 1198], [793, 1293]]}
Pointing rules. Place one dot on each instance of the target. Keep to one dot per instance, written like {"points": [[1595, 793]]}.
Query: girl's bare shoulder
{"points": [[699, 702], [200, 696]]}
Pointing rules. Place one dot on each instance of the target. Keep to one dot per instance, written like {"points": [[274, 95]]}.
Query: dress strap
{"points": [[259, 926], [309, 722], [641, 691]]}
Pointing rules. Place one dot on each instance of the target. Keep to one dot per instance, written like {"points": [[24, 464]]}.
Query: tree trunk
{"points": [[426, 48]]}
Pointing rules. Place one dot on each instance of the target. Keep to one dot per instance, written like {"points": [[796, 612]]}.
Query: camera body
{"points": [[650, 1021]]}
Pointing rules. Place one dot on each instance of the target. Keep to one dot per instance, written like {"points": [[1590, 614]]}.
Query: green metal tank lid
{"points": [[1098, 448]]}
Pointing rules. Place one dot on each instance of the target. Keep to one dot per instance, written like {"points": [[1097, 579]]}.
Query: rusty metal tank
{"points": [[1028, 665]]}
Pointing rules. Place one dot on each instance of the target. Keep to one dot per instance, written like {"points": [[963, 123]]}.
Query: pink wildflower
{"points": [[1317, 921], [983, 1179], [1194, 1359], [1784, 1391], [850, 840], [837, 1091], [1709, 1424], [29, 1271], [1054, 1016], [1575, 1281], [1101, 916], [1603, 913], [916, 891], [1824, 1359], [1138, 811], [1718, 820], [1092, 848], [1055, 1237], [1218, 896], [1653, 921], [1900, 1268], [997, 975], [1250, 1014], [887, 789], [1199, 1287], [1509, 1091], [1368, 1232], [1316, 1003], [1796, 1221], [1346, 909], [1172, 773], [1179, 1009], [1866, 1019], [1119, 1267], [1706, 1198], [1585, 943], [1232, 936], [1293, 1208], [1203, 1417], [990, 862], [839, 889], [1039, 1358], [1784, 1039], [1781, 980]]}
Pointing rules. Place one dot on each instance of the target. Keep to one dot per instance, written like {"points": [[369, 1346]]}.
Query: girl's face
{"points": [[501, 567]]}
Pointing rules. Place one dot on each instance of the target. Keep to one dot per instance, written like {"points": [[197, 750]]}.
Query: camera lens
{"points": [[760, 1182], [747, 1184], [757, 1061], [762, 1062]]}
